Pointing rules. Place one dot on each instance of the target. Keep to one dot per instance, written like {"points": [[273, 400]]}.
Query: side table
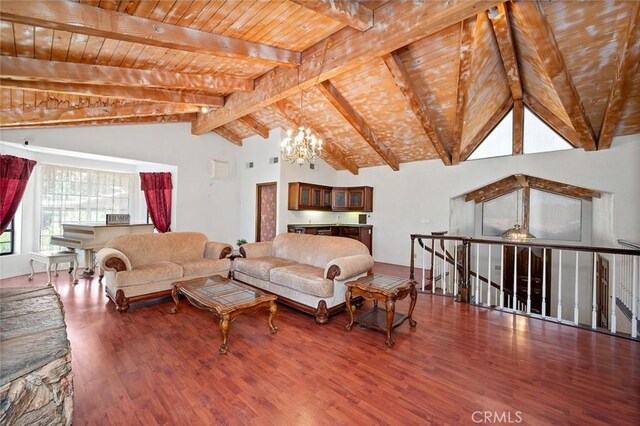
{"points": [[381, 288], [51, 258]]}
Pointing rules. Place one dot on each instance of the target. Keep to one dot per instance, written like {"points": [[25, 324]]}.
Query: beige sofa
{"points": [[143, 266], [307, 272]]}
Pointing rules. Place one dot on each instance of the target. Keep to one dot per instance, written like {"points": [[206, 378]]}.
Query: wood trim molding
{"points": [[85, 19], [358, 123], [406, 86], [175, 118], [351, 13]]}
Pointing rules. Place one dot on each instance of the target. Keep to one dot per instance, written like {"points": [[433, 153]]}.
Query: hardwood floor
{"points": [[461, 364]]}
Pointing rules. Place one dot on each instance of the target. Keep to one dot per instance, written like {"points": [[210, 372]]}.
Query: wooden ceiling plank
{"points": [[350, 49], [350, 13], [85, 19], [406, 86], [149, 94], [229, 135], [502, 29], [621, 87], [553, 63], [330, 148], [53, 116], [63, 72], [128, 120], [467, 28], [486, 129], [552, 120], [358, 123], [518, 127], [255, 126]]}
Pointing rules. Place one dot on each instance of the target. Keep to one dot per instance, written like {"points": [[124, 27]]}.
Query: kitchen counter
{"points": [[327, 225], [362, 233]]}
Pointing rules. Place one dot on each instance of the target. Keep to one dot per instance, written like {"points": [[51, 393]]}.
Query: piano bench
{"points": [[51, 258]]}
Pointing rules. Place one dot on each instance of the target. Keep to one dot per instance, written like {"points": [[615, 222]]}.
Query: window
{"points": [[555, 217], [499, 214], [72, 195], [7, 240]]}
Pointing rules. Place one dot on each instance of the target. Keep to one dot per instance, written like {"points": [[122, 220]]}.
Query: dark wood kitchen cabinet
{"points": [[307, 196]]}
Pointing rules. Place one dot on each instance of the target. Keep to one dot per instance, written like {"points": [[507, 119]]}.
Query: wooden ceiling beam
{"points": [[175, 118], [350, 49], [486, 129], [86, 19], [255, 126], [148, 94], [626, 71], [552, 60], [467, 29], [65, 72], [562, 188], [53, 116], [517, 142], [406, 86], [329, 149], [493, 190], [358, 123], [552, 120], [350, 13], [229, 135], [502, 29]]}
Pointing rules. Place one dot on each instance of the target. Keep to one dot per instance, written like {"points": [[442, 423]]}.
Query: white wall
{"points": [[416, 199], [202, 204]]}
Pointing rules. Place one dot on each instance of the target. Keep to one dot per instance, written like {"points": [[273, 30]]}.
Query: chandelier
{"points": [[304, 146], [517, 233]]}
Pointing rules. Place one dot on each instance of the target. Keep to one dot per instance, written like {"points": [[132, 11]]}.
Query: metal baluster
{"points": [[501, 276], [634, 297], [559, 285], [515, 275], [613, 299], [489, 278], [529, 284], [595, 302], [455, 269], [478, 298], [544, 283], [576, 312]]}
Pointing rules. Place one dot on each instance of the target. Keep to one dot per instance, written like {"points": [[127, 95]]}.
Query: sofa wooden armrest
{"points": [[348, 266], [113, 260], [215, 250]]}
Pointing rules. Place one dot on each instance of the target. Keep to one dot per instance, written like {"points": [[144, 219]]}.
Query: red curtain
{"points": [[157, 191], [14, 175]]}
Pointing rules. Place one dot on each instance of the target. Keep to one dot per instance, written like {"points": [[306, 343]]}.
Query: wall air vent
{"points": [[312, 166], [250, 165], [219, 169]]}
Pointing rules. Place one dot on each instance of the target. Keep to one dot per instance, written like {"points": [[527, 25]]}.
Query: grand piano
{"points": [[91, 237]]}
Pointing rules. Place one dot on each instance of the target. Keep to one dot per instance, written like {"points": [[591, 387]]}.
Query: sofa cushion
{"points": [[202, 266], [142, 249], [259, 267], [315, 250], [306, 279], [158, 271]]}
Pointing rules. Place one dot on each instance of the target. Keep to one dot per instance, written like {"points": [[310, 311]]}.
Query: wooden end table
{"points": [[387, 290], [226, 299]]}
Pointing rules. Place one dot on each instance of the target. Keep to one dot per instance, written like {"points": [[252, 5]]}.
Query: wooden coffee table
{"points": [[384, 289], [226, 299]]}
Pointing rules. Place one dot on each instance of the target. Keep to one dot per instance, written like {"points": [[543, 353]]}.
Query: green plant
{"points": [[241, 241]]}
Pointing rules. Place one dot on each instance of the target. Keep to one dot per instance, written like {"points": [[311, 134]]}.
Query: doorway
{"points": [[522, 276], [266, 208]]}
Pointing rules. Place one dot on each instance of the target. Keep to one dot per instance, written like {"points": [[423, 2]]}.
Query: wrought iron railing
{"points": [[560, 282]]}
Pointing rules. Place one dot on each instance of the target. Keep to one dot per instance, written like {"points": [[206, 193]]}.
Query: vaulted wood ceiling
{"points": [[382, 82]]}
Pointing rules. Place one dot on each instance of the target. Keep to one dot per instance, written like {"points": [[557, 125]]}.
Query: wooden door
{"points": [[266, 208], [522, 265], [602, 292]]}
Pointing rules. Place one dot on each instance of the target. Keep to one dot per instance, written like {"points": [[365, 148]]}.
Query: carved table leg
{"points": [[32, 271], [49, 271], [176, 299], [273, 310], [347, 298], [224, 329], [414, 297], [390, 305]]}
